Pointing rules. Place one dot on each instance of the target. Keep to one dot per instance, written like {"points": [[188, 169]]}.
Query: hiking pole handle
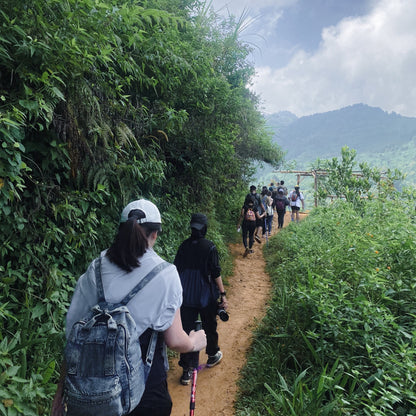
{"points": [[198, 325]]}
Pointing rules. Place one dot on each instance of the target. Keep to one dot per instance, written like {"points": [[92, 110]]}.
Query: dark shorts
{"points": [[259, 222], [294, 208]]}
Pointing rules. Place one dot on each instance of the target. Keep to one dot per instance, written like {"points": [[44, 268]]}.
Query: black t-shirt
{"points": [[200, 254], [256, 199]]}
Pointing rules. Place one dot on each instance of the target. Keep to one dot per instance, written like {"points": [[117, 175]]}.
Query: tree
{"points": [[344, 181]]}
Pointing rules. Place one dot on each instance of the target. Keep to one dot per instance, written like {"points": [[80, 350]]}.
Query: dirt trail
{"points": [[248, 293]]}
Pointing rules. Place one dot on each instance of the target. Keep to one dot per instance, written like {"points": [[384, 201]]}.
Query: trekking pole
{"points": [[198, 326]]}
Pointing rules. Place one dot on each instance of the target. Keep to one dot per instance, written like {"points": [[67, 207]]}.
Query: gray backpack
{"points": [[105, 372]]}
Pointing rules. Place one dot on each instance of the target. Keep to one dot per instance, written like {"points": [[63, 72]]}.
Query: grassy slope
{"points": [[339, 338]]}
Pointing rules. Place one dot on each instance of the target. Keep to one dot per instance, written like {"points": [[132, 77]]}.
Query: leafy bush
{"points": [[102, 103]]}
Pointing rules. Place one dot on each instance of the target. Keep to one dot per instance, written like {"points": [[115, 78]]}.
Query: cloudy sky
{"points": [[313, 56]]}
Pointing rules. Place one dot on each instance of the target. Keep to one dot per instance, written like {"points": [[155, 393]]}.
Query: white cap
{"points": [[150, 210]]}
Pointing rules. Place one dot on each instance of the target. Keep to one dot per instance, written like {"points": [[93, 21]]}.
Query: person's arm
{"points": [[178, 340], [224, 302], [241, 218], [214, 269]]}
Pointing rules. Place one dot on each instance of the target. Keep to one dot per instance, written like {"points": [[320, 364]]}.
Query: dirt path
{"points": [[248, 294]]}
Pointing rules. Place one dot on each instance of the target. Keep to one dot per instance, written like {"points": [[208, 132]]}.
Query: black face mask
{"points": [[196, 234]]}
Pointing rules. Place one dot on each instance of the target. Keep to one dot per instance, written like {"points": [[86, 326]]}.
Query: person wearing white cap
{"points": [[155, 307]]}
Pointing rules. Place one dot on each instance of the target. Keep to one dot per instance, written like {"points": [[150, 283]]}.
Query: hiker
{"points": [[260, 208], [280, 204], [296, 199], [269, 212], [248, 221], [200, 272], [264, 192], [273, 190], [155, 307], [282, 186]]}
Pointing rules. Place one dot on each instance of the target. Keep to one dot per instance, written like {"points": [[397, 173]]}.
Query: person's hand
{"points": [[224, 302], [199, 339]]}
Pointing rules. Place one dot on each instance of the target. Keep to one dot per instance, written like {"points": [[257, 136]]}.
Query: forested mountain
{"points": [[383, 139]]}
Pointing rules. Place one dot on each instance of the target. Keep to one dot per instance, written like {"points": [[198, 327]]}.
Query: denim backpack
{"points": [[105, 372]]}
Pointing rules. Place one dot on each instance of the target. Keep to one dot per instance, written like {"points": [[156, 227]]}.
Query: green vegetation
{"points": [[340, 334], [402, 157], [353, 181], [102, 102]]}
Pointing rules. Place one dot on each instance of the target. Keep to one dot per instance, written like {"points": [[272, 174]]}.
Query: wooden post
{"points": [[315, 179]]}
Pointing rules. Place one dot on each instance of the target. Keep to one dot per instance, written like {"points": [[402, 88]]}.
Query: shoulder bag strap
{"points": [[153, 273], [99, 282]]}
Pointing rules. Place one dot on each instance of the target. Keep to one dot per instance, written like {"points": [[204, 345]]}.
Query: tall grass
{"points": [[340, 334]]}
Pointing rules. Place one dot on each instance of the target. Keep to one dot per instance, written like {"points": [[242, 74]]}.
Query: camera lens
{"points": [[223, 315]]}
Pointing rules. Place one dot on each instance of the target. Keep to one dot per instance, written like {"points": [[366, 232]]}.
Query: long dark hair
{"points": [[250, 199], [130, 242]]}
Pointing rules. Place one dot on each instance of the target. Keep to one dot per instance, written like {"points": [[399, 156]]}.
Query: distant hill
{"points": [[377, 136]]}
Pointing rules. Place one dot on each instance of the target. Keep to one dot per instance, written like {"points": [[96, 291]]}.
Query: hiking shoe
{"points": [[186, 376], [246, 252], [257, 238], [214, 359], [251, 251]]}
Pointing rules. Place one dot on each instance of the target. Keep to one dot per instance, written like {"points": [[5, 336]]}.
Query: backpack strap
{"points": [[99, 281], [151, 350], [153, 273], [100, 289]]}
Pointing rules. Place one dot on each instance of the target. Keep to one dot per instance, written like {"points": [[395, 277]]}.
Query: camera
{"points": [[222, 313]]}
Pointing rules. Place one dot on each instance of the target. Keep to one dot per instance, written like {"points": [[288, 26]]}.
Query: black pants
{"points": [[248, 228], [280, 218], [152, 411], [209, 325], [159, 404]]}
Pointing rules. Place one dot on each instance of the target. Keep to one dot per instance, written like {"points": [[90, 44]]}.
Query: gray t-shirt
{"points": [[153, 307]]}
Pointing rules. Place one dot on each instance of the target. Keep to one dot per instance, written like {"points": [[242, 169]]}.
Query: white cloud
{"points": [[371, 59]]}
